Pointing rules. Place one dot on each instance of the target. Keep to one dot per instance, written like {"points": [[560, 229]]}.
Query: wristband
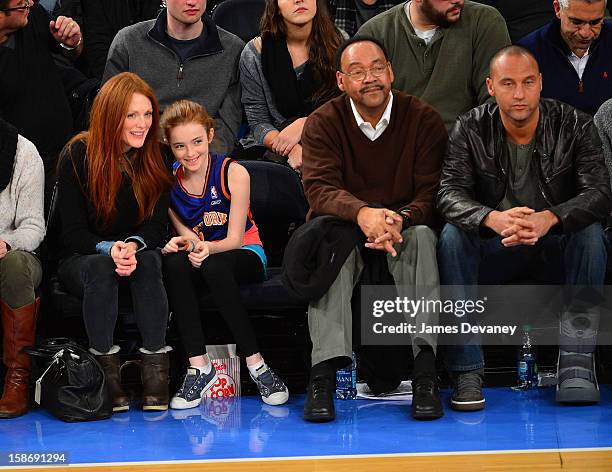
{"points": [[68, 48], [406, 215]]}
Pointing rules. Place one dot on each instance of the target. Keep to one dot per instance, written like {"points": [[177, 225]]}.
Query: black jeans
{"points": [[221, 274], [93, 279]]}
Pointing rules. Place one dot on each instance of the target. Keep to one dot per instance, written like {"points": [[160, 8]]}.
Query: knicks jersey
{"points": [[207, 214]]}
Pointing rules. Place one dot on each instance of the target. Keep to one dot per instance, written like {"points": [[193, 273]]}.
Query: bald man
{"points": [[519, 176]]}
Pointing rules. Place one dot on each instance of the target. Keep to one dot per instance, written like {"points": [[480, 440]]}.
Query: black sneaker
{"points": [[426, 404], [195, 385], [271, 388], [467, 392]]}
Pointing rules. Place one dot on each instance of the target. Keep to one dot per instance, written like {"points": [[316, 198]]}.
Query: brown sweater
{"points": [[344, 171]]}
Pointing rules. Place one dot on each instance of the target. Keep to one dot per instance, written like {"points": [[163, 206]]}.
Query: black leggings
{"points": [[221, 273]]}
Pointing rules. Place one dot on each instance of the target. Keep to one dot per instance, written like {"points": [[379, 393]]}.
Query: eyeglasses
{"points": [[359, 75], [27, 4]]}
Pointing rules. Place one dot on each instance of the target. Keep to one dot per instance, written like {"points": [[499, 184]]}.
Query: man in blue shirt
{"points": [[573, 52]]}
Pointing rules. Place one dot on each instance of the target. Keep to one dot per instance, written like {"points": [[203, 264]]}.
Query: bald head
{"points": [[501, 58]]}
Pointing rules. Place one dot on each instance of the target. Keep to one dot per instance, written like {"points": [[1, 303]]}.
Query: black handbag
{"points": [[72, 386]]}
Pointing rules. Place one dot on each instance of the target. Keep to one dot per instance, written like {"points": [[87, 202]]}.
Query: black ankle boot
{"points": [[110, 364], [154, 375]]}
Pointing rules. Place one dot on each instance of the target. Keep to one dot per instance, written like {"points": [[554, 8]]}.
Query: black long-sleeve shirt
{"points": [[32, 96], [102, 20], [81, 229]]}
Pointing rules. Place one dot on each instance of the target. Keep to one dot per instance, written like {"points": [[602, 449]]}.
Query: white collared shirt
{"points": [[367, 129], [579, 63]]}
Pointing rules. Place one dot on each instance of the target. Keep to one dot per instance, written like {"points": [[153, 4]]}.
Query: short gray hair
{"points": [[565, 3]]}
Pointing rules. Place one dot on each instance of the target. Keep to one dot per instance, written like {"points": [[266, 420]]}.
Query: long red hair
{"points": [[104, 143]]}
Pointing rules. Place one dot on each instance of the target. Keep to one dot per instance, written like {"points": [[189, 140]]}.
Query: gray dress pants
{"points": [[330, 319]]}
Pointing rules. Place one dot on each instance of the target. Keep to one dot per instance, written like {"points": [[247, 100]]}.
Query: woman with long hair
{"points": [[113, 206], [287, 72], [217, 247]]}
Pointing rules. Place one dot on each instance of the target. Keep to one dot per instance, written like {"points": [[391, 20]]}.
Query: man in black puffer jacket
{"points": [[520, 176]]}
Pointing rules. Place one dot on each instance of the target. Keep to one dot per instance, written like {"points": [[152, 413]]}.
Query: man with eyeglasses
{"points": [[574, 54], [32, 93], [372, 159]]}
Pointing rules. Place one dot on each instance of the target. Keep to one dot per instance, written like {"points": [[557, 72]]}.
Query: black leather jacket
{"points": [[571, 172]]}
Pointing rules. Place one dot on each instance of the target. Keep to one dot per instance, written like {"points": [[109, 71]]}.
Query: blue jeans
{"points": [[463, 258]]}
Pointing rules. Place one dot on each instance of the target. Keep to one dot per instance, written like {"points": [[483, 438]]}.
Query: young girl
{"points": [[287, 72], [113, 207], [218, 242]]}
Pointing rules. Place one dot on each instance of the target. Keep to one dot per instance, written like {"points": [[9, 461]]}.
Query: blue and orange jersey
{"points": [[207, 214]]}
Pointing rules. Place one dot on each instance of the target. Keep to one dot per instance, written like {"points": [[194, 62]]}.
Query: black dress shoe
{"points": [[426, 404], [319, 405]]}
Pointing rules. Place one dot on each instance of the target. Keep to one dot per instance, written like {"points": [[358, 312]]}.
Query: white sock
{"points": [[203, 370], [255, 367], [113, 350]]}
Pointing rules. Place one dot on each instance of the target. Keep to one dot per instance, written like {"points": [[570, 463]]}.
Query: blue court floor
{"points": [[246, 428]]}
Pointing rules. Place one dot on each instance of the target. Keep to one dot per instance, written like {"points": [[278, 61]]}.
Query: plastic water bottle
{"points": [[527, 367], [346, 381]]}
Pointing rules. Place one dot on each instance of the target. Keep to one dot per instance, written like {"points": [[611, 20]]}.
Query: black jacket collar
{"points": [[209, 43]]}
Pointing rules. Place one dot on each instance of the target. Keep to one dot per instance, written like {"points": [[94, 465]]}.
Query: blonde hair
{"points": [[182, 112]]}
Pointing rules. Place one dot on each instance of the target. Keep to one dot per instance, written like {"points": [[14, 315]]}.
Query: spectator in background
{"points": [[102, 20], [183, 54], [349, 15], [32, 96], [523, 16], [440, 50], [113, 205], [574, 52], [286, 73], [22, 228]]}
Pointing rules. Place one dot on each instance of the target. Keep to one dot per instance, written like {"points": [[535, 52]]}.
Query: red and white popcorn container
{"points": [[227, 364]]}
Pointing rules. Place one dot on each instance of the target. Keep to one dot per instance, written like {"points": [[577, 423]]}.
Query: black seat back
{"points": [[240, 17], [278, 205]]}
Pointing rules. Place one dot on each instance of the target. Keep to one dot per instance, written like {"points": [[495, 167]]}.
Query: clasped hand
{"points": [[124, 257], [382, 228], [198, 250], [520, 225]]}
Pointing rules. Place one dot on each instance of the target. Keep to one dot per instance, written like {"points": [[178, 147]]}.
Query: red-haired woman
{"points": [[113, 203]]}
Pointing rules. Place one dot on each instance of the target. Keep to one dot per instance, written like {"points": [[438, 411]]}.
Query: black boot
{"points": [[154, 375], [319, 405], [110, 364]]}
